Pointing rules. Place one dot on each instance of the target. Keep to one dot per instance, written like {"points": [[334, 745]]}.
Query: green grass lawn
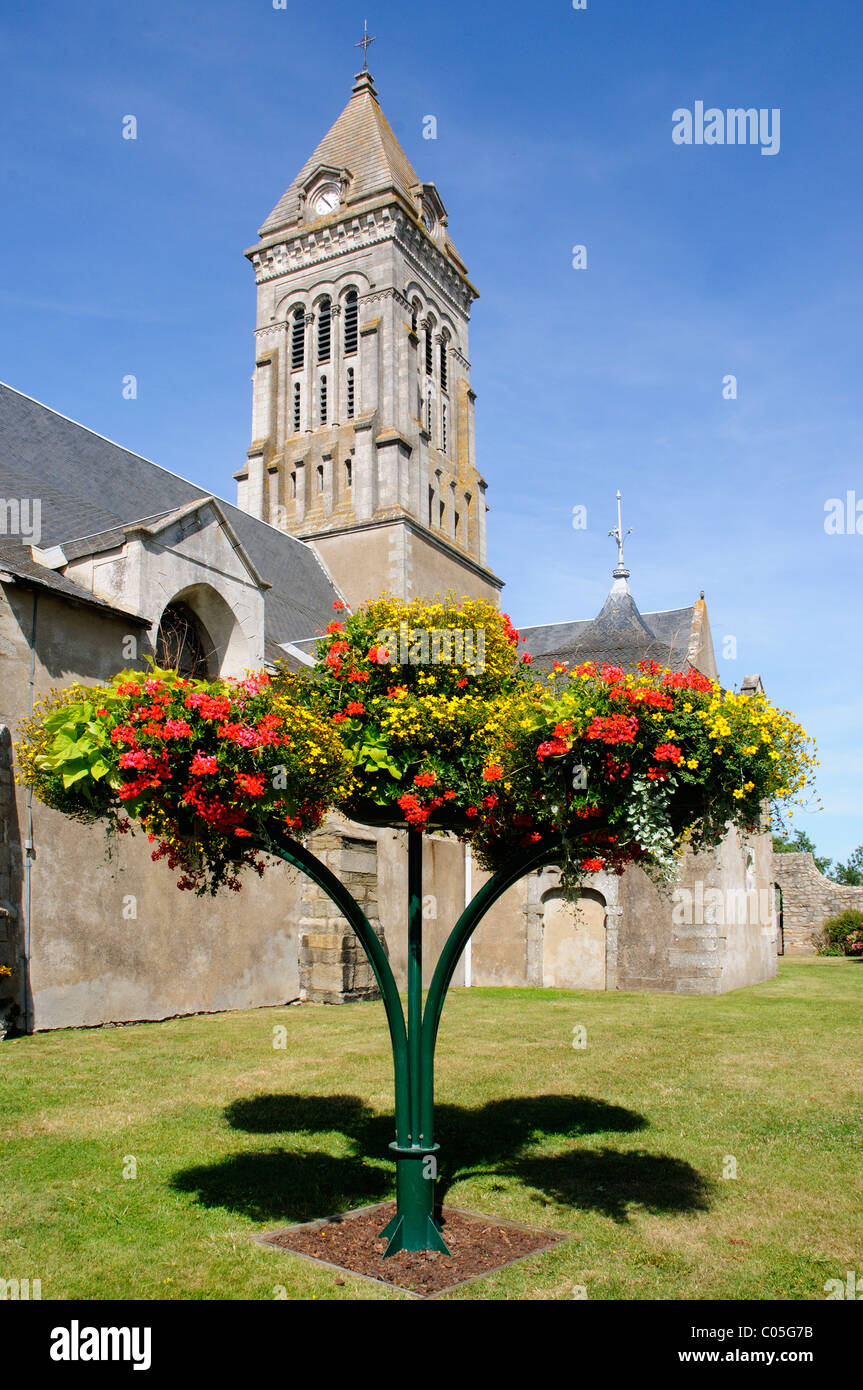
{"points": [[623, 1143]]}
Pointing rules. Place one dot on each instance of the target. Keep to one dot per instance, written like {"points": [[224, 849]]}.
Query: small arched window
{"points": [[298, 405], [351, 393], [429, 349], [323, 400], [182, 644], [298, 339], [325, 320], [351, 322], [415, 315]]}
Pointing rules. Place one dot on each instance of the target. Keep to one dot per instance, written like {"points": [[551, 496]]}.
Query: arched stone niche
{"points": [[558, 930], [228, 649]]}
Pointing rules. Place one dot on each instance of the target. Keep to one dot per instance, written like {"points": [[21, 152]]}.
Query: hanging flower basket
{"points": [[424, 716]]}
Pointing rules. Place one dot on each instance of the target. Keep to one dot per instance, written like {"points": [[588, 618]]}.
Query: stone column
{"points": [[369, 375], [310, 374], [335, 384], [300, 503], [333, 965], [328, 499]]}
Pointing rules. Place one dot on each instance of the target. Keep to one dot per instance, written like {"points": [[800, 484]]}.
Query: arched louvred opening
{"points": [[183, 643], [444, 363], [298, 339], [429, 349], [325, 321], [351, 322]]}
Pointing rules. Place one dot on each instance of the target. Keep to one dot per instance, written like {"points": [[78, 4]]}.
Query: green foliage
{"points": [[842, 934], [851, 873]]}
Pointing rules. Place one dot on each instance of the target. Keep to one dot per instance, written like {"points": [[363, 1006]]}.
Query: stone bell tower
{"points": [[363, 415]]}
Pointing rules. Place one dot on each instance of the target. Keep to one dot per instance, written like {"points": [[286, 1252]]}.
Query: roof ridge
{"points": [[143, 459]]}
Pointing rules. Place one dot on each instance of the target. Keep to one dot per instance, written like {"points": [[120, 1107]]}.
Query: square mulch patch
{"points": [[351, 1243]]}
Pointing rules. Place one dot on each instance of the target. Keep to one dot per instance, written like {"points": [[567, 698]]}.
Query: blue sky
{"points": [[554, 129]]}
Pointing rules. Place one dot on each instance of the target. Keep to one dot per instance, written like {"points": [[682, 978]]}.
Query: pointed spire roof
{"points": [[362, 142], [618, 634]]}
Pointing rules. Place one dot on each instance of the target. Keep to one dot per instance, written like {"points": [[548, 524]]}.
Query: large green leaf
{"points": [[74, 774]]}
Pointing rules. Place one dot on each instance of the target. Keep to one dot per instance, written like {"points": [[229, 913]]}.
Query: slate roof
{"points": [[90, 487], [619, 634], [362, 141], [15, 559]]}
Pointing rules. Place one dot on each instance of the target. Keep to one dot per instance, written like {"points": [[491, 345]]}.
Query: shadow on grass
{"points": [[285, 1185], [498, 1139]]}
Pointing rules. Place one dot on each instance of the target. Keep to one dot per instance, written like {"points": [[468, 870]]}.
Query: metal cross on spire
{"points": [[364, 45], [618, 534]]}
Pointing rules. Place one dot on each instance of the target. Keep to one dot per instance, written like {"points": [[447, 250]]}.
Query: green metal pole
{"points": [[301, 858], [414, 1227], [458, 938]]}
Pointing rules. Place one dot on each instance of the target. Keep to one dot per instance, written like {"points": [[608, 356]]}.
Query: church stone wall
{"points": [[809, 900], [730, 937], [111, 938], [398, 559], [443, 898]]}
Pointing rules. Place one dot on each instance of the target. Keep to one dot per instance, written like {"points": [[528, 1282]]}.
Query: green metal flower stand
{"points": [[414, 1226]]}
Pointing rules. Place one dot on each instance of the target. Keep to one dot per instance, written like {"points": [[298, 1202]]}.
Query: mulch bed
{"points": [[352, 1243]]}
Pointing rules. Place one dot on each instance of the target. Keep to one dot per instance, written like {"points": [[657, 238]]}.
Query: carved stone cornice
{"points": [[305, 249]]}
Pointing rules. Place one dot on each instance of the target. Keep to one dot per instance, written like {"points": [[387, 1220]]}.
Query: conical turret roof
{"points": [[362, 141]]}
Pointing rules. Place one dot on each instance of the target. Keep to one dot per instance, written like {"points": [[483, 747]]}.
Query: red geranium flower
{"points": [[667, 753], [250, 783], [203, 764]]}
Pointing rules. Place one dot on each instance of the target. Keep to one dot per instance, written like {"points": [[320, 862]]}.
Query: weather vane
{"points": [[618, 534], [364, 45]]}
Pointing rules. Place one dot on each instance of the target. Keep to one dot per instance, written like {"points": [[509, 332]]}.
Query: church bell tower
{"points": [[363, 415]]}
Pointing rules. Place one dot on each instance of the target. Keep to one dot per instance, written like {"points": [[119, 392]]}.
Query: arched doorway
{"points": [[573, 941], [183, 643]]}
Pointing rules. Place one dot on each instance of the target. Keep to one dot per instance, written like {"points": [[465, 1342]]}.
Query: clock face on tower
{"points": [[327, 199]]}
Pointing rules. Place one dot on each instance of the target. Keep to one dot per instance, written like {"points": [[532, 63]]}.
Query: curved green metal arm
{"points": [[458, 938], [301, 858]]}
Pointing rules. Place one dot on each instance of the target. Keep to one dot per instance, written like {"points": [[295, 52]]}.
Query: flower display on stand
{"points": [[425, 714], [209, 770]]}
